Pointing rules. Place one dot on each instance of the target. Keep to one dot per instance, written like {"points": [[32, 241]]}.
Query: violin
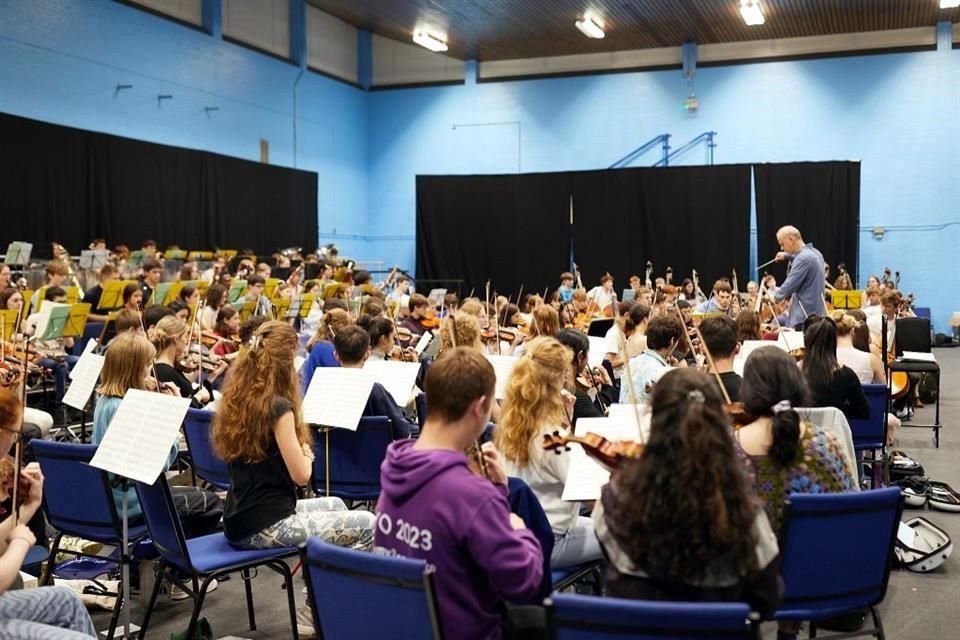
{"points": [[608, 453], [8, 478], [430, 320]]}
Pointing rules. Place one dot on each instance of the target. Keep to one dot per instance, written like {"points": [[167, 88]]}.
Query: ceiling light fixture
{"points": [[590, 26], [751, 12], [949, 4], [428, 41]]}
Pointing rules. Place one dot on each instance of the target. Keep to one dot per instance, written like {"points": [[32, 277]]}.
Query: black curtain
{"points": [[685, 218], [821, 199], [69, 185], [510, 229]]}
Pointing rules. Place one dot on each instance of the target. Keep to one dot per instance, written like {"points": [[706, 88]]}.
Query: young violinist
{"points": [[681, 522], [748, 325], [44, 612], [688, 291], [484, 555], [352, 346], [602, 296], [180, 309], [320, 346], [255, 286], [384, 344], [721, 340], [227, 329], [664, 335], [418, 306], [592, 388], [169, 338], [53, 352], [132, 296], [260, 433], [108, 273], [831, 384], [216, 299], [721, 300], [127, 365], [537, 404], [152, 275]]}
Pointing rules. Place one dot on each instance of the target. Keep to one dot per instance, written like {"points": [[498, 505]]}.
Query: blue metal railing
{"points": [[663, 139], [706, 136]]}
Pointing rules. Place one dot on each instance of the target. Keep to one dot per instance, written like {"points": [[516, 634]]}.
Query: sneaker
{"points": [[305, 627], [70, 543], [177, 594]]}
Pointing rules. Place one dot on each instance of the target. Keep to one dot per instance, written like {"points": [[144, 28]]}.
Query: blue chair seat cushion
{"points": [[102, 534], [213, 553]]}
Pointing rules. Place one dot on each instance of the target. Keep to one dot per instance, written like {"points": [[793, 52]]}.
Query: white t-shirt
{"points": [[601, 297], [546, 474], [857, 360], [614, 344]]}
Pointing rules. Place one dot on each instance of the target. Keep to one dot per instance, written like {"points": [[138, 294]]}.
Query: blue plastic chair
{"points": [[576, 617], [359, 595], [354, 460], [204, 461], [421, 409], [870, 434], [848, 569], [78, 501], [202, 558]]}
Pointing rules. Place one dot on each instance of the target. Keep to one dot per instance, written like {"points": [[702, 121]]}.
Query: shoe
{"points": [[915, 491], [943, 497], [902, 465], [70, 543], [305, 628], [177, 594]]}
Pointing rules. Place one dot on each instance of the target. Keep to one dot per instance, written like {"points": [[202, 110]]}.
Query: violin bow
{"points": [[496, 323], [18, 447], [627, 369]]}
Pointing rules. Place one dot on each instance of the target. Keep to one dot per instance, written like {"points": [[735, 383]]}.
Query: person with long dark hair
{"points": [[681, 522], [831, 383]]}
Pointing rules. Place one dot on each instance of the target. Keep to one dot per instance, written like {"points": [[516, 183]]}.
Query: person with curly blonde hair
{"points": [[259, 431], [460, 329], [536, 405]]}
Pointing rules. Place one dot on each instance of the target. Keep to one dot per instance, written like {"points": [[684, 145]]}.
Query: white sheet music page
{"points": [[749, 346], [138, 440], [598, 347], [88, 348], [918, 356], [585, 476], [422, 343], [398, 378], [84, 380], [502, 367], [791, 340], [337, 397]]}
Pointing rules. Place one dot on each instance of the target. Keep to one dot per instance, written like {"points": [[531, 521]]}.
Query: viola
{"points": [[609, 453]]}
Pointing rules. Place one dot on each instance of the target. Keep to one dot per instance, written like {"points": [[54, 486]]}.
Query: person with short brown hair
{"points": [[152, 275], [720, 301], [483, 554], [418, 305]]}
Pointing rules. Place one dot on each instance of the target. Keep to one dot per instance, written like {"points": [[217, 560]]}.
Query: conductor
{"points": [[805, 281]]}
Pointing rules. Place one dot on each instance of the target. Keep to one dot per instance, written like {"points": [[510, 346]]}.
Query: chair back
{"points": [[524, 502], [206, 463], [163, 522], [578, 617], [359, 595], [872, 432], [77, 498], [354, 461], [912, 334], [421, 409], [836, 551]]}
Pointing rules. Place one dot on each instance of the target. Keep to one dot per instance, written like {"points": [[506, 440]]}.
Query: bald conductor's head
{"points": [[790, 239]]}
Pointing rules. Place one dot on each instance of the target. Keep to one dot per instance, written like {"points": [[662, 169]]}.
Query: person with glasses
{"points": [[45, 612]]}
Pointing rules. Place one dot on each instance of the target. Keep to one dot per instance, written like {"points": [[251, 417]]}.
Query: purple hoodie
{"points": [[432, 507]]}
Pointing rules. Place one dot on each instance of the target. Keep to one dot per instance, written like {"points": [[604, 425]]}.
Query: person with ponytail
{"points": [[259, 431], [320, 345], [789, 455], [831, 383], [681, 522], [536, 404], [169, 337]]}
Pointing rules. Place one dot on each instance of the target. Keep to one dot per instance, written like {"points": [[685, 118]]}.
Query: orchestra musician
{"points": [[5, 275], [806, 282], [566, 286], [152, 274], [55, 275], [108, 273], [602, 296], [721, 301]]}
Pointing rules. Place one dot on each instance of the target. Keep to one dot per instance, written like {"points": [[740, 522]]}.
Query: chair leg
{"points": [[160, 569], [878, 625], [197, 605], [813, 629], [117, 607], [291, 600], [248, 589], [45, 577]]}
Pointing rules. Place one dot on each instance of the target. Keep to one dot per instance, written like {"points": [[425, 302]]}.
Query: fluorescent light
{"points": [[590, 26], [751, 12], [949, 4], [433, 43]]}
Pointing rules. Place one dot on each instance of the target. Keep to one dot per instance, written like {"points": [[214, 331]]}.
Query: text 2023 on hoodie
{"points": [[432, 507]]}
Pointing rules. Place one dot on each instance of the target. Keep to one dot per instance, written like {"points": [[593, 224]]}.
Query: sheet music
{"points": [[84, 378], [398, 378], [749, 346], [791, 340], [43, 317], [422, 343], [585, 476], [138, 440], [88, 348], [502, 368], [598, 348], [918, 356], [337, 397]]}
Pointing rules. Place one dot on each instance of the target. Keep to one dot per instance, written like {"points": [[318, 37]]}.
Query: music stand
{"points": [[137, 257], [842, 299], [91, 259], [237, 289], [18, 253], [76, 320], [112, 296], [8, 323]]}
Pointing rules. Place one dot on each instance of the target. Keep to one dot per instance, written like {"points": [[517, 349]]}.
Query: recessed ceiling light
{"points": [[949, 4], [590, 26], [751, 12], [428, 41]]}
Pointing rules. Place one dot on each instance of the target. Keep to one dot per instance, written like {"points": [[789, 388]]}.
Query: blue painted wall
{"points": [[60, 61], [898, 113]]}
